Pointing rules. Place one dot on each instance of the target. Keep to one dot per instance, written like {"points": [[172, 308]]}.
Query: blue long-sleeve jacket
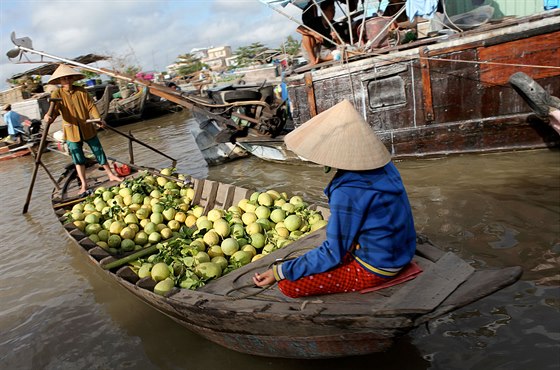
{"points": [[369, 209]]}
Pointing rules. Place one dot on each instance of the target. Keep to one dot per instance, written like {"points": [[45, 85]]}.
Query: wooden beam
{"points": [[426, 85], [310, 94]]}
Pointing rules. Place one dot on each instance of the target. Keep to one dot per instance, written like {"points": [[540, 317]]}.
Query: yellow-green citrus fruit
{"points": [[154, 237], [174, 225], [181, 217], [248, 218], [160, 271], [265, 199], [201, 257], [131, 218], [208, 270], [214, 214], [144, 270], [114, 241], [258, 240], [277, 215], [142, 213], [257, 257], [94, 238], [250, 248], [156, 218], [220, 261], [254, 228], [127, 245], [262, 211], [80, 225], [237, 230], [221, 226], [127, 233], [198, 244], [164, 286], [289, 208], [292, 222], [211, 238], [169, 214], [166, 233], [190, 221], [150, 227], [141, 238], [230, 246], [124, 192], [282, 232], [92, 229], [214, 251], [265, 223], [241, 257], [116, 227], [318, 224]]}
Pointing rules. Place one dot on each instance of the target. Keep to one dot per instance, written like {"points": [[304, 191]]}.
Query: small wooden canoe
{"points": [[11, 151], [232, 312]]}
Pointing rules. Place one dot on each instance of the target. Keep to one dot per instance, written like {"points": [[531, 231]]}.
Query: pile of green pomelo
{"points": [[192, 248]]}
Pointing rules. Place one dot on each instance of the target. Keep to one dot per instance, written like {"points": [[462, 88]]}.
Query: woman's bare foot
{"points": [[115, 178]]}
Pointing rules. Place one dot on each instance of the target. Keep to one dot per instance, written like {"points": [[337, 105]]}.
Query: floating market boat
{"points": [[232, 312], [11, 151]]}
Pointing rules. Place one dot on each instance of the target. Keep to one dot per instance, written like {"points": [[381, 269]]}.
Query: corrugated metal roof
{"points": [[48, 69]]}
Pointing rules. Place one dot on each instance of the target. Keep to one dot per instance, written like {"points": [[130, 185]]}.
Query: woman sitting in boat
{"points": [[370, 234], [316, 32]]}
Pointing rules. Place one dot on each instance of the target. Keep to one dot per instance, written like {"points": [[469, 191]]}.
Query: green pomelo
{"points": [[221, 261], [137, 198], [265, 223], [292, 222], [221, 226], [154, 237], [237, 230], [250, 208], [94, 238], [161, 181], [289, 208], [89, 207], [78, 207], [215, 251], [114, 241], [254, 228], [197, 211], [248, 218], [211, 238], [318, 224], [268, 248], [258, 240], [167, 171], [127, 200], [127, 233], [279, 202], [116, 227], [164, 286], [156, 218], [107, 224], [215, 214], [265, 199], [181, 217], [208, 270], [166, 233], [282, 232], [160, 271], [156, 194], [124, 192], [169, 214], [242, 204], [257, 257], [242, 257], [242, 242], [249, 248], [104, 235], [230, 246], [131, 218], [103, 245], [143, 213], [190, 221], [199, 245], [141, 238], [296, 234], [254, 197], [201, 257], [127, 245], [81, 225], [145, 270], [174, 225], [92, 229], [277, 215], [150, 228], [262, 212]]}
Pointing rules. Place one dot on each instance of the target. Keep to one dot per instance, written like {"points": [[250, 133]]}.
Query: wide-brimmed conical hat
{"points": [[64, 70], [340, 138]]}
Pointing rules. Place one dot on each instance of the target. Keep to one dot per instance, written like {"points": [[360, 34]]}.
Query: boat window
{"points": [[386, 93]]}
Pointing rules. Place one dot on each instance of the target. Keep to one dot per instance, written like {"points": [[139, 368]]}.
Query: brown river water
{"points": [[57, 311]]}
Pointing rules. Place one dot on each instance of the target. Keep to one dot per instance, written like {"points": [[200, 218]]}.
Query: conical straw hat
{"points": [[340, 138], [64, 70]]}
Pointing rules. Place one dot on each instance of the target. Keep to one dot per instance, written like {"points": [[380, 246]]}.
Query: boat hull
{"points": [[448, 95]]}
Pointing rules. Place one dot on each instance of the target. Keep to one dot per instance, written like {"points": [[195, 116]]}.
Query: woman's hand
{"points": [[264, 279]]}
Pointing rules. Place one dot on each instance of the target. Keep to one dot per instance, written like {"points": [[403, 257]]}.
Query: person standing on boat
{"points": [[76, 106], [13, 121], [314, 37], [370, 233]]}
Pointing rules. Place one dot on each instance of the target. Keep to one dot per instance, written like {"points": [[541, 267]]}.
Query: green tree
{"points": [[188, 64], [292, 46], [246, 54]]}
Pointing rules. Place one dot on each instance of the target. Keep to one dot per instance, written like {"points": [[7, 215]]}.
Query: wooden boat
{"points": [[443, 94], [232, 312], [11, 151]]}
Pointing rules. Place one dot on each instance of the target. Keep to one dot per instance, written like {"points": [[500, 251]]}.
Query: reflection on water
{"points": [[57, 311]]}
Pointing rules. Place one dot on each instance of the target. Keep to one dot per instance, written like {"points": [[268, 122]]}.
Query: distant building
{"points": [[216, 59]]}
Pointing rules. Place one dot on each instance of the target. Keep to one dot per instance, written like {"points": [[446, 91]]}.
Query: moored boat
{"points": [[234, 313], [11, 151]]}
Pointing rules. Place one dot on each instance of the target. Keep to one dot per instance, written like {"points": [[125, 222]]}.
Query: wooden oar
{"points": [[132, 138], [38, 157]]}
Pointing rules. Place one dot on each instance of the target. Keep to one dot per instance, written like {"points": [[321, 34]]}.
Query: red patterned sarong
{"points": [[348, 277]]}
